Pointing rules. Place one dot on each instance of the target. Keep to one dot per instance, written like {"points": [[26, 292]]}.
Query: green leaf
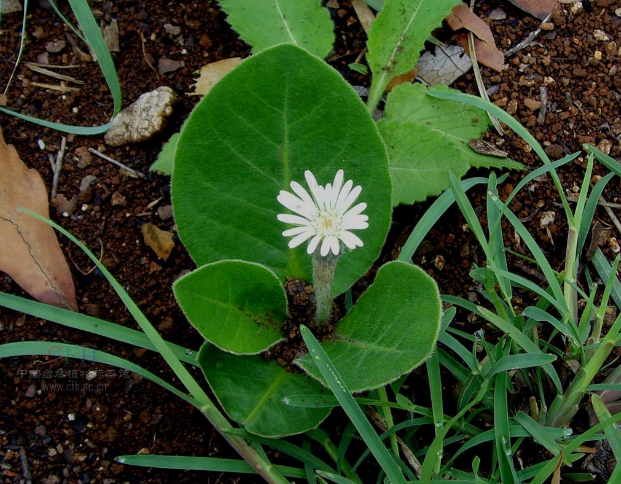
{"points": [[427, 137], [251, 391], [398, 35], [237, 151], [391, 330], [238, 306], [410, 102], [420, 160], [166, 159], [265, 23]]}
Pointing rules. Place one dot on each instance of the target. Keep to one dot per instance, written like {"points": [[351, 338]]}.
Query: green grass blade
{"points": [[61, 350], [538, 432], [517, 362], [431, 217], [90, 324], [589, 210], [468, 211], [522, 340], [542, 260], [612, 432], [335, 478], [435, 388], [353, 411], [496, 242], [603, 268], [211, 464], [608, 161], [68, 23], [453, 366], [308, 470]]}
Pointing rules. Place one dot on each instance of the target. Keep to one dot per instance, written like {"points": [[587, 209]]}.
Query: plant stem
{"points": [[390, 423], [571, 295], [378, 86], [323, 275]]}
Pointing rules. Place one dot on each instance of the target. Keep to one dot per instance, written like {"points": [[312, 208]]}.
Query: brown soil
{"points": [[301, 299], [72, 432]]}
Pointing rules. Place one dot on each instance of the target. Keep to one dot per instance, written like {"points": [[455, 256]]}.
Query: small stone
{"points": [[165, 65], [142, 119], [547, 26], [497, 14], [439, 262], [554, 151], [532, 104], [165, 212], [501, 103], [546, 219], [87, 182], [40, 430], [83, 157], [118, 200], [618, 12], [576, 8], [172, 29], [43, 58], [166, 326], [611, 48], [605, 146], [580, 72], [601, 35], [55, 46], [64, 207], [512, 107], [205, 41]]}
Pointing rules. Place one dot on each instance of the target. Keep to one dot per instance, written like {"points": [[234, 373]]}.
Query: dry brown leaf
{"points": [[538, 8], [159, 240], [365, 15], [212, 73], [29, 251], [463, 18], [443, 66], [409, 76], [488, 55], [485, 148]]}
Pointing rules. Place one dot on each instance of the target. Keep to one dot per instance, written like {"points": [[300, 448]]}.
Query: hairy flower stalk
{"points": [[324, 216]]}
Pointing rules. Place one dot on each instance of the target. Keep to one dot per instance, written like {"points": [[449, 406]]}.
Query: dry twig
{"points": [[117, 163]]}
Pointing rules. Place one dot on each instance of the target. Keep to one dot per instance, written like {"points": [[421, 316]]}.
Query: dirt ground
{"points": [[58, 426]]}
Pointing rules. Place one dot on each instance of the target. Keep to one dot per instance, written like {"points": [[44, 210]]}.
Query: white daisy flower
{"points": [[324, 215]]}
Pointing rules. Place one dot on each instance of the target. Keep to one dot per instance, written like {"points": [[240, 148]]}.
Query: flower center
{"points": [[327, 223]]}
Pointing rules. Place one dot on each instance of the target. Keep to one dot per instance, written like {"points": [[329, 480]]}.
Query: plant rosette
{"points": [[278, 119]]}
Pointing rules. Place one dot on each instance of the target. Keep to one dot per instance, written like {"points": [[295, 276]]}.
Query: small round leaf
{"points": [[238, 306]]}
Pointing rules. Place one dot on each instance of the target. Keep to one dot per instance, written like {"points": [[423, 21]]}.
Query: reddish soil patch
{"points": [[72, 432]]}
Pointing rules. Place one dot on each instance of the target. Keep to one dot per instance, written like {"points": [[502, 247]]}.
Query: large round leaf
{"points": [[251, 391], [277, 114], [391, 330], [238, 306]]}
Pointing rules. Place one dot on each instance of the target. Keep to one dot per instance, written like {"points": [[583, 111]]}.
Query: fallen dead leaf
{"points": [[409, 76], [365, 15], [540, 8], [29, 251], [488, 55], [463, 18], [212, 73], [444, 66], [159, 240], [485, 148]]}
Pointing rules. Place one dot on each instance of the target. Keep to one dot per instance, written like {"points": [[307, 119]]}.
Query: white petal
{"points": [[356, 210], [357, 223], [344, 192], [296, 204], [302, 193], [297, 231], [336, 187], [312, 245], [316, 190], [303, 237], [350, 240], [325, 247], [351, 198], [292, 219], [334, 243]]}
